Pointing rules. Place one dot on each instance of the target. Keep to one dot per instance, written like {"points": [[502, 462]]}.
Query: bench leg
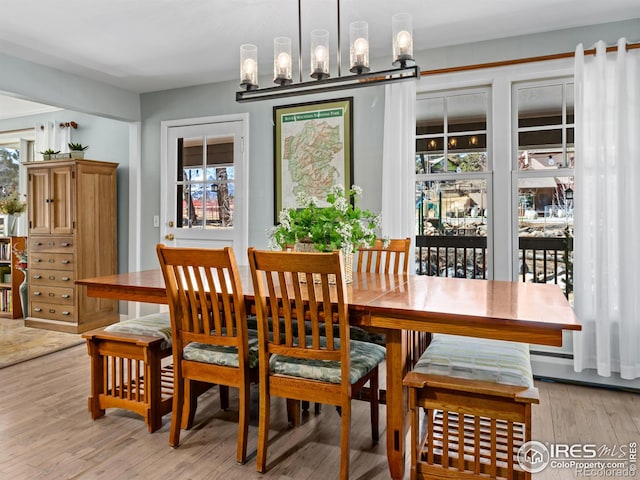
{"points": [[97, 385]]}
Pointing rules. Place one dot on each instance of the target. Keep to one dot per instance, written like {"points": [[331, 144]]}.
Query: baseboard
{"points": [[560, 368]]}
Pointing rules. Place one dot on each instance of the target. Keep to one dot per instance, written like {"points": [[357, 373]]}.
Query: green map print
{"points": [[311, 155]]}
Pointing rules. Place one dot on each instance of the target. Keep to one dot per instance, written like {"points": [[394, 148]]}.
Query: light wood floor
{"points": [[46, 432]]}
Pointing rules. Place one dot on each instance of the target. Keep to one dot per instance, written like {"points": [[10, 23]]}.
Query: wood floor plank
{"points": [[46, 431]]}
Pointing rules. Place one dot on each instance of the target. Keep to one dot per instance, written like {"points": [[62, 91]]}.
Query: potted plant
{"points": [[48, 153], [11, 206], [341, 225], [77, 150]]}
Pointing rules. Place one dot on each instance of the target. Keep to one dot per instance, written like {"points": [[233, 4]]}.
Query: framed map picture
{"points": [[313, 149]]}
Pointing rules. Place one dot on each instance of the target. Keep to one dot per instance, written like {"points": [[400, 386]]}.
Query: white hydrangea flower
{"points": [[285, 218], [357, 191], [341, 204], [337, 189]]}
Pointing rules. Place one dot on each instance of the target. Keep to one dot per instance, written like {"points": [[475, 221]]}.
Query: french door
{"points": [[204, 184]]}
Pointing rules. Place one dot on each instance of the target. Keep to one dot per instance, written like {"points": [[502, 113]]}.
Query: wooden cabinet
{"points": [[10, 277], [72, 208]]}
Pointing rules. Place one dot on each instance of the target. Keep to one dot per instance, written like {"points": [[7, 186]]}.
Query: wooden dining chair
{"points": [[309, 367], [210, 339], [390, 259], [378, 258]]}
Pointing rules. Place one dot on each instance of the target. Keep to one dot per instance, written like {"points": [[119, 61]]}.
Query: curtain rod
{"points": [[517, 61]]}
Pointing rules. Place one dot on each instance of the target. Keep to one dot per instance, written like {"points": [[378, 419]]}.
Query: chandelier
{"points": [[405, 66]]}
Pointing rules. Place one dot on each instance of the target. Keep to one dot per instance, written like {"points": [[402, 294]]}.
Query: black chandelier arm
{"points": [[330, 84]]}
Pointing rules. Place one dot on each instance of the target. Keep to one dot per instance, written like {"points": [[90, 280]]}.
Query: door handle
{"points": [[169, 236]]}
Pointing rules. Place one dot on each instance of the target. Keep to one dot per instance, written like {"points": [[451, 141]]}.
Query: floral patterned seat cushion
{"points": [[154, 325], [477, 359], [221, 355], [364, 357]]}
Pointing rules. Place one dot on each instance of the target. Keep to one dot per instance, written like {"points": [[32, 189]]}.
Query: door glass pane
{"points": [[205, 182]]}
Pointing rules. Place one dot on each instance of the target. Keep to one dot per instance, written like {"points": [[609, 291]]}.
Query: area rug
{"points": [[19, 343]]}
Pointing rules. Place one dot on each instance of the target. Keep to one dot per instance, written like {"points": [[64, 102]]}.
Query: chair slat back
{"points": [[205, 296], [392, 259], [296, 286]]}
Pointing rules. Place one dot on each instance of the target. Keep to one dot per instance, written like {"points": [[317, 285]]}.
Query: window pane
{"points": [[191, 212], [466, 113], [220, 205], [539, 106], [9, 169], [452, 228], [545, 226], [569, 89], [430, 116]]}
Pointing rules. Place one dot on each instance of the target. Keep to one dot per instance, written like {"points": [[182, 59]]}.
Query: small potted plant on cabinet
{"points": [[77, 150], [48, 154]]}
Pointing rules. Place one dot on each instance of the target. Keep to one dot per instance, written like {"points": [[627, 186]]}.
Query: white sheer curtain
{"points": [[607, 229], [398, 161]]}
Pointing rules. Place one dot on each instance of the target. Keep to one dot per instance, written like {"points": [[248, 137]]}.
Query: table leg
{"points": [[397, 404]]}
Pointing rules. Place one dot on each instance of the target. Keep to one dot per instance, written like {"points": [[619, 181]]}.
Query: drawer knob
{"points": [[37, 309], [65, 244], [51, 294], [66, 295], [38, 244], [52, 260], [52, 277], [37, 260], [66, 313], [65, 279], [52, 310], [64, 262], [37, 294], [37, 277]]}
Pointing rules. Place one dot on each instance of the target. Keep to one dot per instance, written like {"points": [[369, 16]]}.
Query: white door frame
{"points": [[241, 194]]}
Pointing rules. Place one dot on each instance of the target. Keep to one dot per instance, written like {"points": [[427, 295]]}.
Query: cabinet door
{"points": [[39, 197], [62, 213]]}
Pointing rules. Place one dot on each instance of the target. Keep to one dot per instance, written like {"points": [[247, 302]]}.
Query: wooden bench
{"points": [[477, 396], [127, 370]]}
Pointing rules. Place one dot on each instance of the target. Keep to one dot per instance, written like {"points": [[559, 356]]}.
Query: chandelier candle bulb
{"points": [[402, 39], [282, 60], [320, 54], [359, 51], [249, 66]]}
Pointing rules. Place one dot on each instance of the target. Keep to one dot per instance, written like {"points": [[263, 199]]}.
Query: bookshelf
{"points": [[10, 277]]}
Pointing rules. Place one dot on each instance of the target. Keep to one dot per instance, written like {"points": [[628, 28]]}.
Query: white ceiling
{"points": [[150, 45]]}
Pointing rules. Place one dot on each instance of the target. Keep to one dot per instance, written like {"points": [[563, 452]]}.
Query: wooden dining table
{"points": [[397, 304]]}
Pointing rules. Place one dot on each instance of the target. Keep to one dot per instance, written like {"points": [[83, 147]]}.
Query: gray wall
{"points": [[108, 140]]}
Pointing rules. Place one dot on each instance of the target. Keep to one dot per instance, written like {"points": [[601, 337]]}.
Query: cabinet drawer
{"points": [[53, 278], [51, 244], [51, 311], [57, 295], [53, 261]]}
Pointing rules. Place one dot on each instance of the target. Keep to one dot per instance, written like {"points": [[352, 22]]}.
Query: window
{"points": [[543, 131], [205, 182], [453, 171]]}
